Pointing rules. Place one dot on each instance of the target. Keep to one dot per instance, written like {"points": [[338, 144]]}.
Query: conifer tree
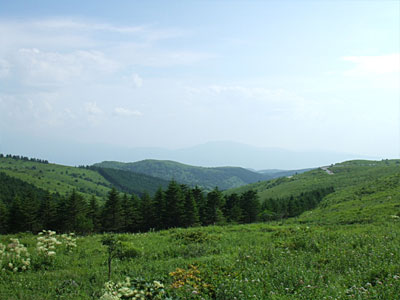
{"points": [[94, 213], [160, 209], [232, 209], [201, 204], [148, 212], [16, 217], [215, 204], [76, 214], [191, 216], [250, 206], [127, 208], [136, 214], [48, 213], [3, 218], [112, 213], [29, 209], [175, 202]]}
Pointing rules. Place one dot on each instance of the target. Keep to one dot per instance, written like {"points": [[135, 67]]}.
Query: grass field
{"points": [[347, 248], [345, 174], [260, 261], [56, 178]]}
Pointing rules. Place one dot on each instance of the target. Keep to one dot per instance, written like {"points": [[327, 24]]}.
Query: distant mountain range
{"points": [[212, 154], [209, 178]]}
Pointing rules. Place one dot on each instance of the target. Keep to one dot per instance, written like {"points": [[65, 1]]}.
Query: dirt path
{"points": [[327, 170]]}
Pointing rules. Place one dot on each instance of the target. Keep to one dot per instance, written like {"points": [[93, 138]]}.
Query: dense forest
{"points": [[23, 207]]}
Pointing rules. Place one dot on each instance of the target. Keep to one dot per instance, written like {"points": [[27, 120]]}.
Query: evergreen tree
{"points": [[232, 209], [215, 204], [94, 213], [191, 217], [175, 202], [16, 217], [201, 204], [76, 214], [29, 209], [112, 213], [48, 213], [147, 212], [136, 217], [127, 208], [159, 209], [3, 218], [250, 206]]}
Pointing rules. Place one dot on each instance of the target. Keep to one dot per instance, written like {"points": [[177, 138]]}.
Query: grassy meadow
{"points": [[346, 248], [258, 261], [56, 178]]}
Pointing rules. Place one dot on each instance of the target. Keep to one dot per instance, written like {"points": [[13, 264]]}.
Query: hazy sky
{"points": [[291, 74]]}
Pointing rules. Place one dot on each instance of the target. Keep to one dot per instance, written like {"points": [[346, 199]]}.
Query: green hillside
{"points": [[223, 177], [11, 187], [348, 247], [88, 181], [130, 182], [56, 178], [339, 176], [376, 200]]}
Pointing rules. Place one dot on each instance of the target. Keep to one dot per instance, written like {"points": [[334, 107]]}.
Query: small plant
{"points": [[69, 240], [14, 257], [192, 236], [135, 289], [46, 246], [190, 282], [117, 248]]}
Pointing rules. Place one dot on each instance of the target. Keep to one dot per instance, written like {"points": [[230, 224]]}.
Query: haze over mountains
{"points": [[211, 154]]}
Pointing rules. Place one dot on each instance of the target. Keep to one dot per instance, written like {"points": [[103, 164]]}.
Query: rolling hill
{"points": [[63, 179], [208, 178], [339, 176]]}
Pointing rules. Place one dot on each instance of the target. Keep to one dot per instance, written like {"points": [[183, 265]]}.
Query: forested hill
{"points": [[88, 181], [208, 178]]}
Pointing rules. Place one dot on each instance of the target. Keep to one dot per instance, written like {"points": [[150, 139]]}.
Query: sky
{"points": [[297, 75]]}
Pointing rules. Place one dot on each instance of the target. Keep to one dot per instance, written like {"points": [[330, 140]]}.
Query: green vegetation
{"points": [[208, 178], [56, 178], [259, 261], [130, 182], [86, 180], [345, 174], [346, 247]]}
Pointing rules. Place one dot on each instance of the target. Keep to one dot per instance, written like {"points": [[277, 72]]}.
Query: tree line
{"points": [[287, 207], [24, 207], [24, 158]]}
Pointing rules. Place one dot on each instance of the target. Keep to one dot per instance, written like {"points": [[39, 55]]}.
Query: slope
{"points": [[223, 177], [338, 176], [62, 179], [56, 178], [376, 200], [130, 182]]}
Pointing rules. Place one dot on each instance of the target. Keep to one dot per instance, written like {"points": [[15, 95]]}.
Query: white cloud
{"points": [[137, 81], [48, 68], [70, 24], [92, 108], [126, 112], [373, 65], [4, 68], [255, 93]]}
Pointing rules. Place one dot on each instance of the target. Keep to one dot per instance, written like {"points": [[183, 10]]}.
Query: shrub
{"points": [[135, 289], [14, 257]]}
